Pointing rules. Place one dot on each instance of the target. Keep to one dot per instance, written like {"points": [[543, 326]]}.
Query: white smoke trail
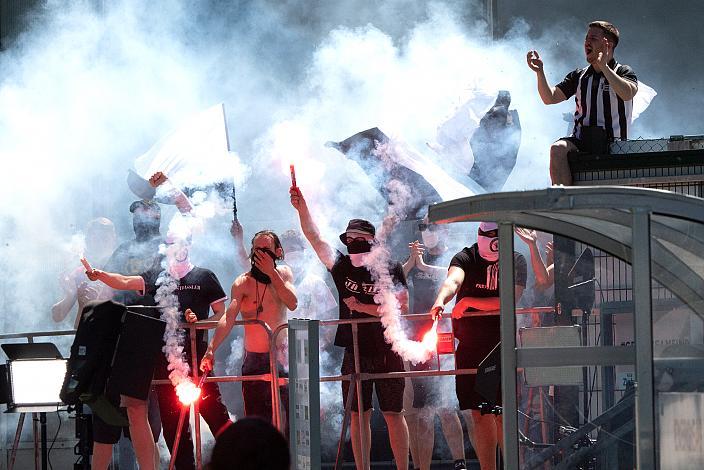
{"points": [[378, 263], [235, 357], [173, 335]]}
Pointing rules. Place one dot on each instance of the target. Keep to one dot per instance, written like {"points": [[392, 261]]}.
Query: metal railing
{"points": [[273, 377]]}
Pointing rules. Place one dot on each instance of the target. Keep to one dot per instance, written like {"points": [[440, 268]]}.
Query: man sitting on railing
{"points": [[263, 293], [197, 290], [356, 289], [603, 93]]}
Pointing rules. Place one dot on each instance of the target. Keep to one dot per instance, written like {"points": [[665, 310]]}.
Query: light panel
{"points": [[37, 381]]}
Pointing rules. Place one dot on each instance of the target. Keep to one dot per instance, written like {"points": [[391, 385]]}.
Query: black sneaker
{"points": [[460, 465]]}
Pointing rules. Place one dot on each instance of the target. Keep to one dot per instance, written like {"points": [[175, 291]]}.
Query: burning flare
{"points": [[187, 392], [430, 339]]}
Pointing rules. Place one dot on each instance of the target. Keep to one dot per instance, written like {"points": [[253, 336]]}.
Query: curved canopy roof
{"points": [[603, 217]]}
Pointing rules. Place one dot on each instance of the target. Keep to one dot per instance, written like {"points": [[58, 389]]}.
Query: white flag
{"points": [[196, 153]]}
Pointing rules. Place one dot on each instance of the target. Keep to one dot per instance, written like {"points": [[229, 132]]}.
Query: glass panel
{"points": [[678, 343], [573, 414]]}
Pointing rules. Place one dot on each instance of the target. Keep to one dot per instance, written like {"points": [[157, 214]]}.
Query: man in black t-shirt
{"points": [[356, 290], [197, 290], [603, 93], [474, 277], [426, 268]]}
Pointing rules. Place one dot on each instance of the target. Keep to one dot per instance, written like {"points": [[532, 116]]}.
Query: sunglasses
{"points": [[431, 227]]}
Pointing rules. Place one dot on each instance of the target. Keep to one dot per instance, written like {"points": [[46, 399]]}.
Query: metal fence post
{"points": [[508, 345], [643, 335]]}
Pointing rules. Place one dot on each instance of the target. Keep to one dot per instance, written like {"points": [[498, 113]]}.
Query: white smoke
{"points": [[234, 359], [173, 334], [378, 262]]}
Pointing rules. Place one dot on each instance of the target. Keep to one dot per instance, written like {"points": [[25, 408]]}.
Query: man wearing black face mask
{"points": [[263, 293], [474, 277], [356, 290]]}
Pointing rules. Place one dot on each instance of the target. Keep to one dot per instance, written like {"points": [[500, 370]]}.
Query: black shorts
{"points": [[469, 357], [579, 143], [105, 433], [389, 392]]}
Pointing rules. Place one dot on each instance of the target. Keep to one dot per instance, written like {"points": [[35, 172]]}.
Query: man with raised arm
{"points": [[264, 293], [197, 291], [356, 290], [100, 241], [473, 277], [603, 93]]}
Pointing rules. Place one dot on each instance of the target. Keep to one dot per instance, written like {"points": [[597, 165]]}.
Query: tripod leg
{"points": [[174, 451], [35, 432], [16, 442]]}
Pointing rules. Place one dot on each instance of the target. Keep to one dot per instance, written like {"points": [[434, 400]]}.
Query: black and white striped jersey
{"points": [[597, 104]]}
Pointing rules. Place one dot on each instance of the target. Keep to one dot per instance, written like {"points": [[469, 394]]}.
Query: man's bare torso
{"points": [[252, 295]]}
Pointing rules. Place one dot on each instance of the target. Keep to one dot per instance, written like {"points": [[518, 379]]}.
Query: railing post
{"points": [[274, 374], [196, 404], [358, 389], [643, 334], [508, 345]]}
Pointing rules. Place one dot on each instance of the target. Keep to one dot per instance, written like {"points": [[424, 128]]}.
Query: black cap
{"points": [[147, 206], [361, 226]]}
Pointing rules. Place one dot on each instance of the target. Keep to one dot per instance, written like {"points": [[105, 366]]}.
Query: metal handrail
{"points": [[273, 377]]}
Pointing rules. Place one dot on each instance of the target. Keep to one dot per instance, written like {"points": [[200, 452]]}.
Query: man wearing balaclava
{"points": [[426, 269], [473, 276], [356, 290]]}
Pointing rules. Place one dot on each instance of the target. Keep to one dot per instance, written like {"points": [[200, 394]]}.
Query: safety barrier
{"points": [[273, 378]]}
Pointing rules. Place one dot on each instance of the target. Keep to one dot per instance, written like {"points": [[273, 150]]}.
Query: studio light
{"points": [[35, 382], [30, 383], [35, 373]]}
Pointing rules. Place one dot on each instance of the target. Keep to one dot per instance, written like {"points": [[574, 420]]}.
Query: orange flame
{"points": [[430, 339], [187, 392]]}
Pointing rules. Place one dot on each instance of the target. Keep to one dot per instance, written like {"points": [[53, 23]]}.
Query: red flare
{"points": [[187, 392], [293, 176], [430, 339]]}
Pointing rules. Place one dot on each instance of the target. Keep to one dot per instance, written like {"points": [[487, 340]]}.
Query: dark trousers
{"points": [[211, 408], [257, 393]]}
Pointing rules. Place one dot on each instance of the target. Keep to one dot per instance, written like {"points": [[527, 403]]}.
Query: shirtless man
{"points": [[263, 293]]}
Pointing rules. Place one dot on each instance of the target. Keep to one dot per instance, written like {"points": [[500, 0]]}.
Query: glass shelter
{"points": [[615, 377]]}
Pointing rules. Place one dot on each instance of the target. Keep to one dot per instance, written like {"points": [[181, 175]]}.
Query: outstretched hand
{"points": [[534, 61], [94, 274], [527, 235], [157, 179]]}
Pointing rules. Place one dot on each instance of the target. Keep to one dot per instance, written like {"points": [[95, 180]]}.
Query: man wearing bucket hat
{"points": [[356, 290], [473, 276]]}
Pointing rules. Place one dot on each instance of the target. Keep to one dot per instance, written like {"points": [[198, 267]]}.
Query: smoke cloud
{"points": [[85, 90]]}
